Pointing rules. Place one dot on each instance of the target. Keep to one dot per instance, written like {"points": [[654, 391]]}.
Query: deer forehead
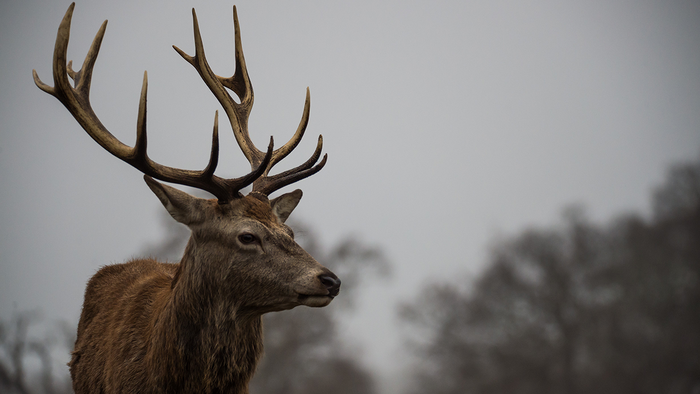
{"points": [[247, 209], [253, 208]]}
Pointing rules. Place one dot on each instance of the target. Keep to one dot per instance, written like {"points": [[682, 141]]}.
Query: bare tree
{"points": [[27, 361], [578, 308]]}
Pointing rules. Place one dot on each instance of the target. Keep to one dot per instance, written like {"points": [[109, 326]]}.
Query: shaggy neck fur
{"points": [[203, 334]]}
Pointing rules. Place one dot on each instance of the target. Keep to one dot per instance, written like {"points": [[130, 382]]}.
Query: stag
{"points": [[195, 326]]}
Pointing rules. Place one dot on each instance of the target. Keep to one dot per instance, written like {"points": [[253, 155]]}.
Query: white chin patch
{"points": [[315, 301]]}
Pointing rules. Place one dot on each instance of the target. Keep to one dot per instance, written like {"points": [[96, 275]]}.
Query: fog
{"points": [[447, 125]]}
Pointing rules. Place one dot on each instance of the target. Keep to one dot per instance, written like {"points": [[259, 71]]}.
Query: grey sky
{"points": [[446, 124]]}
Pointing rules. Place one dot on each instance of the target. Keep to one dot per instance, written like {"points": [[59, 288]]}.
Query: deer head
{"points": [[244, 250], [251, 224], [241, 261]]}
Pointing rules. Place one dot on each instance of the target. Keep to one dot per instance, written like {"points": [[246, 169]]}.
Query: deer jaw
{"points": [[244, 255]]}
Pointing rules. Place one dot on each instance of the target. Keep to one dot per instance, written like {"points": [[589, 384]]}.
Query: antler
{"points": [[238, 115], [77, 101]]}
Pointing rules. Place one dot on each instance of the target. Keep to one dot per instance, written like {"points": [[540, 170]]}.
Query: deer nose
{"points": [[331, 282]]}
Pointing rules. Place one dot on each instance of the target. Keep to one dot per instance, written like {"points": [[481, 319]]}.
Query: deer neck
{"points": [[212, 340]]}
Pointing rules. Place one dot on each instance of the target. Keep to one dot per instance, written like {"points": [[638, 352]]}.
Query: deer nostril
{"points": [[331, 282]]}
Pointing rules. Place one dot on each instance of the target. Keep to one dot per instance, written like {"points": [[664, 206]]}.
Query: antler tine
{"points": [[238, 113], [287, 148], [239, 83], [269, 184], [214, 156], [77, 101]]}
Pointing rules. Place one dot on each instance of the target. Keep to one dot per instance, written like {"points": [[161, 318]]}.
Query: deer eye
{"points": [[247, 238]]}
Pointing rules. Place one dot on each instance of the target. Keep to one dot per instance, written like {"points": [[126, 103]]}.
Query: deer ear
{"points": [[180, 205], [283, 205]]}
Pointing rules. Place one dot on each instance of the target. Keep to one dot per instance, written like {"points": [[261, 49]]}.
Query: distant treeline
{"points": [[578, 308]]}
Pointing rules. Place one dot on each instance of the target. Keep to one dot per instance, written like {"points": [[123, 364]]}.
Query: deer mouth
{"points": [[314, 300]]}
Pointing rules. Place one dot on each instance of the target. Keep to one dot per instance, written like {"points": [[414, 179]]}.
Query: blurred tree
{"points": [[303, 351], [574, 309], [652, 329], [27, 362]]}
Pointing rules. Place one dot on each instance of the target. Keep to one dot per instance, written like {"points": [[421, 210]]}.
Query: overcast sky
{"points": [[447, 125]]}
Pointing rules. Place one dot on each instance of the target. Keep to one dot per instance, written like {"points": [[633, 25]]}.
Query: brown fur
{"points": [[196, 326]]}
